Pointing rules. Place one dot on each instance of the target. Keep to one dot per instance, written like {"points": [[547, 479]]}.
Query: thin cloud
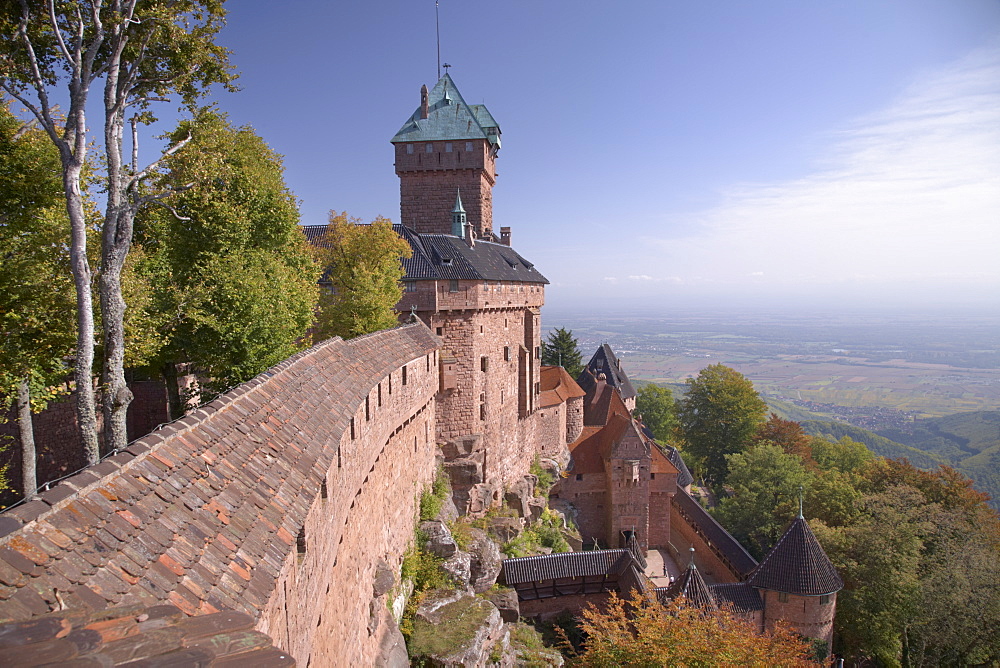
{"points": [[909, 193]]}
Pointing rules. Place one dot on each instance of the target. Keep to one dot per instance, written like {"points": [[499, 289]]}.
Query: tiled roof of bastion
{"points": [[202, 513], [557, 387]]}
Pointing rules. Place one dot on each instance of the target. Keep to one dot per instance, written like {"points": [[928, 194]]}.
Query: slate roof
{"points": [[741, 596], [443, 257], [719, 538], [690, 586], [449, 117], [797, 564], [160, 635], [557, 387], [684, 477], [604, 361], [565, 565], [203, 512]]}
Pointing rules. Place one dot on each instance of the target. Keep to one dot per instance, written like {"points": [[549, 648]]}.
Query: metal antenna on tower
{"points": [[437, 27]]}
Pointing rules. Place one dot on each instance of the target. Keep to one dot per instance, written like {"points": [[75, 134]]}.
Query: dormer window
{"points": [[446, 261]]}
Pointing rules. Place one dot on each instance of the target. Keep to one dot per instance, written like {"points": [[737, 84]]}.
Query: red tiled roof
{"points": [[203, 512], [161, 635], [557, 387], [594, 445]]}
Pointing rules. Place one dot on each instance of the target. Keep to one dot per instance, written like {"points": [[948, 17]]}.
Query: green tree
{"points": [[922, 546], [561, 349], [224, 276], [36, 287], [137, 52], [718, 417], [656, 406], [846, 454], [764, 482], [363, 265]]}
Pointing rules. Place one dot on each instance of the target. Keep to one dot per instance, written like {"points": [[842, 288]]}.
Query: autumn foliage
{"points": [[641, 631]]}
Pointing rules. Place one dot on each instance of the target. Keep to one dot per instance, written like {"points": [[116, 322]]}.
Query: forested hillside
{"points": [[968, 441], [880, 445]]}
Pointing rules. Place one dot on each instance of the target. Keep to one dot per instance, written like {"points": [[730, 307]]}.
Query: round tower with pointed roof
{"points": [[798, 584], [445, 145]]}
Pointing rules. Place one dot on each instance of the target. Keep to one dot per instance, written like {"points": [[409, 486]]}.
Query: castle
{"points": [[290, 500]]}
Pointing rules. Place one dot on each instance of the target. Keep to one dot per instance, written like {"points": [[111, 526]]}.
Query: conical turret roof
{"points": [[797, 564], [691, 586]]}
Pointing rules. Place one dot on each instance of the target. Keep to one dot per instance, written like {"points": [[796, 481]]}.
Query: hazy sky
{"points": [[669, 152]]}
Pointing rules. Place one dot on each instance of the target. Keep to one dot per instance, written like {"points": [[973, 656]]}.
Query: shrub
{"points": [[545, 479], [431, 500]]}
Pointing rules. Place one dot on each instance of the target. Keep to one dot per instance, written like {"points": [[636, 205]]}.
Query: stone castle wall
{"points": [[806, 615], [279, 499], [551, 432], [683, 537], [429, 181], [574, 419], [497, 385], [588, 493]]}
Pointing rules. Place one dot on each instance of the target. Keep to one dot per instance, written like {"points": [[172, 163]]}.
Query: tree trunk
{"points": [[174, 407], [117, 395], [86, 409], [116, 239], [29, 480]]}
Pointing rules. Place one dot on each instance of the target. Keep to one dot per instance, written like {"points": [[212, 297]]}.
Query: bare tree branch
{"points": [[134, 181], [58, 33], [166, 206], [21, 131]]}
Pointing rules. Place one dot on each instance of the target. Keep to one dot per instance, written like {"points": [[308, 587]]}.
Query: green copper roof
{"points": [[449, 118]]}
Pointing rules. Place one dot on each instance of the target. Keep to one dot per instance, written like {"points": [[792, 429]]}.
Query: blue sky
{"points": [[668, 153]]}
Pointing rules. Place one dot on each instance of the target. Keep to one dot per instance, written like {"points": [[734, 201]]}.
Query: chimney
{"points": [[505, 236], [424, 111]]}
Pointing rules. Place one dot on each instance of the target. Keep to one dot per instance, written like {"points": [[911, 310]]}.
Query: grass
{"points": [[530, 647], [460, 620], [461, 531], [546, 534], [499, 511]]}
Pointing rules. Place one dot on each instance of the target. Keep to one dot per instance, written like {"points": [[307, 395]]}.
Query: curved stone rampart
{"points": [[256, 502]]}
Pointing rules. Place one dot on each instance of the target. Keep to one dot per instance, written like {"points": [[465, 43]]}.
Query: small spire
{"points": [[458, 220], [691, 565], [800, 503]]}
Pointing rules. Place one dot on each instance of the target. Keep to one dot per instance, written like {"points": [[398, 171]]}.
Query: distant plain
{"points": [[922, 364]]}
